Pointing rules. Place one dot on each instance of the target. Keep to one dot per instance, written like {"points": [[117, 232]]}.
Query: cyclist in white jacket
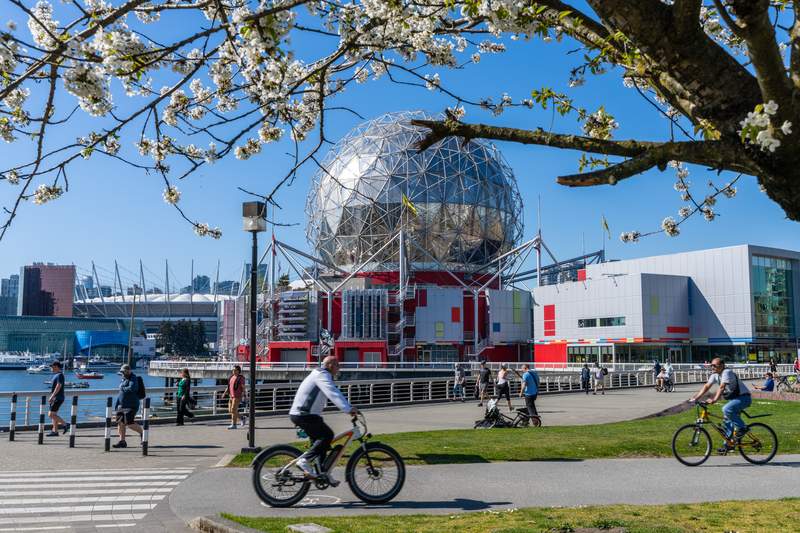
{"points": [[312, 396]]}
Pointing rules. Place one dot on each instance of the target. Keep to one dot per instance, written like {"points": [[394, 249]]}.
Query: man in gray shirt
{"points": [[736, 392]]}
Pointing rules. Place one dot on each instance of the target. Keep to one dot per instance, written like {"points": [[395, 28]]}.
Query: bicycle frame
{"points": [[349, 436], [705, 418]]}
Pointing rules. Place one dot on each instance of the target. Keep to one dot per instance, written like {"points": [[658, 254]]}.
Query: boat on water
{"points": [[72, 384], [90, 375], [97, 363], [9, 361], [41, 369]]}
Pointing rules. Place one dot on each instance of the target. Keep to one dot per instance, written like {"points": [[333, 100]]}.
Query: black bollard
{"points": [[13, 422], [108, 423], [41, 420], [73, 421], [146, 425]]}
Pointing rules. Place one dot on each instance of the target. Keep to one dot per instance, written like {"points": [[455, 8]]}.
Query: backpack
{"points": [[140, 390], [605, 371]]}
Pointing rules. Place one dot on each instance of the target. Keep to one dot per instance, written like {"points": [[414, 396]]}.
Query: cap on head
{"points": [[504, 366], [483, 362], [125, 368], [55, 364]]}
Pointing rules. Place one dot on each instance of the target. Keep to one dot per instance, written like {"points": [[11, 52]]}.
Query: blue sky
{"points": [[115, 212]]}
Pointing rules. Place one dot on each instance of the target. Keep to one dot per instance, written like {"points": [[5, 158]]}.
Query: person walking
{"points": [[600, 378], [773, 367], [503, 387], [586, 378], [237, 393], [56, 399], [530, 389], [458, 384], [484, 376], [184, 397], [127, 405], [656, 372]]}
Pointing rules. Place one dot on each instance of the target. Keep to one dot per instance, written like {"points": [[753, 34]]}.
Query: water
{"points": [[89, 408], [21, 381]]}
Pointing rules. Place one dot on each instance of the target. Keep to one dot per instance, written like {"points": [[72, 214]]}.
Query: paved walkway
{"points": [[181, 461]]}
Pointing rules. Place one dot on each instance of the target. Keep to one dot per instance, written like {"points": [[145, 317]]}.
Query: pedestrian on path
{"points": [[127, 405], [599, 379], [184, 397], [458, 385], [530, 388], [56, 399], [236, 393], [503, 387], [484, 376], [586, 378], [773, 367]]}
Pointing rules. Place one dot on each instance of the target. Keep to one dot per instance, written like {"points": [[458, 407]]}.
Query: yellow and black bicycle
{"points": [[691, 444]]}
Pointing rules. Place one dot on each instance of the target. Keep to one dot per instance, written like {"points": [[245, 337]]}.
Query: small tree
{"points": [[283, 283], [199, 337]]}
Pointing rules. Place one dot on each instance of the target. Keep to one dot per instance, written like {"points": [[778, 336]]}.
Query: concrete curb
{"points": [[217, 524]]}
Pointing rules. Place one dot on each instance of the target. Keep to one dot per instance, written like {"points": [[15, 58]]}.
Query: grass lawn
{"points": [[640, 438], [731, 516]]}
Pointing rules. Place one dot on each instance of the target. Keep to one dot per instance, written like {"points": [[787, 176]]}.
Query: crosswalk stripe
{"points": [[61, 500]]}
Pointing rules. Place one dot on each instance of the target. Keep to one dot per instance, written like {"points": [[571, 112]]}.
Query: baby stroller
{"points": [[493, 418]]}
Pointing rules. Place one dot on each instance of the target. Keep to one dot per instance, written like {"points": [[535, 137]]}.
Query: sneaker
{"points": [[741, 432], [305, 466], [333, 482], [724, 450], [66, 429], [120, 444], [510, 408], [244, 420], [232, 426], [53, 434], [480, 404]]}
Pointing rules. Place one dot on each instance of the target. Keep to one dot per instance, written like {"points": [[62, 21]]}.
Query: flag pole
{"points": [[604, 237]]}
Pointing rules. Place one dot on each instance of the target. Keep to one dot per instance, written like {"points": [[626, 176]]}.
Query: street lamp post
{"points": [[254, 220]]}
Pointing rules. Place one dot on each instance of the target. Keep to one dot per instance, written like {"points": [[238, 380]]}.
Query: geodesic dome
{"points": [[468, 207]]}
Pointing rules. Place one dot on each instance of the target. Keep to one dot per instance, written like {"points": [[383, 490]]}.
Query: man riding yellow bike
{"points": [[312, 395], [736, 392]]}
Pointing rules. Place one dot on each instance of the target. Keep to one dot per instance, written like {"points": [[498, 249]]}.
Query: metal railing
{"points": [[92, 404]]}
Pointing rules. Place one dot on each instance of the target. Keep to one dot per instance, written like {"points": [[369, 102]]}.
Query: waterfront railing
{"points": [[91, 405]]}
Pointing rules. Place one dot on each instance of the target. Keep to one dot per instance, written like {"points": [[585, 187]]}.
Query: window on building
{"points": [[440, 329], [601, 322], [773, 297]]}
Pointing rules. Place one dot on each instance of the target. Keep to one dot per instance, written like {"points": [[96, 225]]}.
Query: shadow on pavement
{"points": [[449, 458], [460, 504]]}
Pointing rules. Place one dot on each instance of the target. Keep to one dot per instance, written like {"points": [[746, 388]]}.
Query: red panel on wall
{"points": [[582, 275], [422, 298], [549, 328], [550, 353], [336, 314], [455, 314], [549, 320], [469, 313], [549, 312], [677, 330]]}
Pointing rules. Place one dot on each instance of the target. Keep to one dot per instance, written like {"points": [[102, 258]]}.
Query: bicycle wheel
{"points": [[760, 445], [671, 387], [522, 422], [276, 484], [783, 386], [377, 474], [536, 421], [691, 445]]}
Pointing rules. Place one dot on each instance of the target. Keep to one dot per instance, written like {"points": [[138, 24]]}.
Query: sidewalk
{"points": [[201, 446]]}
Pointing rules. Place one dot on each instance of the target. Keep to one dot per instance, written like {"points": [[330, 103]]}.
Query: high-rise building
{"points": [[46, 290], [201, 285], [229, 288], [9, 290]]}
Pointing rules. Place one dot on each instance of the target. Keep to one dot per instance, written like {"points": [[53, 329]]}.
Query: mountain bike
{"points": [[375, 471], [691, 444], [786, 383], [493, 418]]}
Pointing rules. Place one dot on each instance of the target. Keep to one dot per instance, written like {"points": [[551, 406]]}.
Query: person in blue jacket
{"points": [[769, 386], [127, 405]]}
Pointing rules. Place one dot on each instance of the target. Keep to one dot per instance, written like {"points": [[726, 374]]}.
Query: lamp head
{"points": [[254, 217]]}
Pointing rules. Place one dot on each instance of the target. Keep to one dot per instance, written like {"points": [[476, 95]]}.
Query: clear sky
{"points": [[115, 212]]}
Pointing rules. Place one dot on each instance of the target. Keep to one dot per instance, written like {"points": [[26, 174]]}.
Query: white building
{"points": [[738, 303]]}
